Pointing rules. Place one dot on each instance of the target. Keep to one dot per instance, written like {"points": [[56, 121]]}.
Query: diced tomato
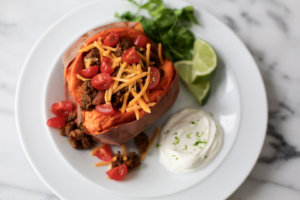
{"points": [[62, 108], [112, 39], [117, 173], [106, 65], [154, 78], [56, 122], [89, 72], [105, 109], [140, 41], [131, 56], [104, 153], [101, 81]]}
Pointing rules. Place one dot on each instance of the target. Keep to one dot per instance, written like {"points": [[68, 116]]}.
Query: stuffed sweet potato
{"points": [[120, 80]]}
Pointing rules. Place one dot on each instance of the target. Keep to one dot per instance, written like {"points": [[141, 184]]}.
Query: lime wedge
{"points": [[201, 91], [204, 62]]}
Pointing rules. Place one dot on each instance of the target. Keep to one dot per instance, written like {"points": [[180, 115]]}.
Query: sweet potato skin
{"points": [[120, 134]]}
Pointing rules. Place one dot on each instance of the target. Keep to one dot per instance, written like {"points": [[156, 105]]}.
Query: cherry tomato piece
{"points": [[131, 56], [89, 72], [112, 39], [104, 152], [56, 122], [101, 81], [140, 41], [154, 78], [62, 108], [117, 173], [106, 65], [105, 109]]}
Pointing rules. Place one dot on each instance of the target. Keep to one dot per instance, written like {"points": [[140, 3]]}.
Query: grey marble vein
{"points": [[279, 21], [275, 183], [250, 18], [230, 22], [283, 150]]}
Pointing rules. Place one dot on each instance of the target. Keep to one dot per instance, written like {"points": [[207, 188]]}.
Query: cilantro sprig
{"points": [[171, 27]]}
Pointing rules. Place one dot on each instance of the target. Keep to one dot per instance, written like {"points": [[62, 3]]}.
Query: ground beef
{"points": [[119, 160], [93, 53], [72, 116], [80, 140], [76, 134], [133, 160], [88, 94], [124, 44], [141, 142]]}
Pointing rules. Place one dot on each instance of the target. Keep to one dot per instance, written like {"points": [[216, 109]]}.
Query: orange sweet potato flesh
{"points": [[121, 127]]}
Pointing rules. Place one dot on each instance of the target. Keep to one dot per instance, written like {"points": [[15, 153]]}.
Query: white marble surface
{"points": [[270, 29]]}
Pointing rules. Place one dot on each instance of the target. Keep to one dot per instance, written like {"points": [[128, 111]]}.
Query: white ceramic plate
{"points": [[238, 102]]}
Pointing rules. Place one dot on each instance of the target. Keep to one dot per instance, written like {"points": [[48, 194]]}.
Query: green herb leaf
{"points": [[171, 27], [158, 145]]}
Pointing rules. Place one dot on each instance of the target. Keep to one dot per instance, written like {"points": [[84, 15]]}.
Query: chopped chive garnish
{"points": [[198, 134], [192, 122], [158, 145], [176, 133], [188, 135], [199, 142], [176, 141], [167, 131], [185, 147], [205, 156]]}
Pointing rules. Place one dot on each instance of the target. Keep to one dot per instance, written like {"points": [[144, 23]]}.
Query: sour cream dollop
{"points": [[189, 140]]}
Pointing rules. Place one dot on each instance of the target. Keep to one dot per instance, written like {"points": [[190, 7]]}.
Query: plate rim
{"points": [[51, 27]]}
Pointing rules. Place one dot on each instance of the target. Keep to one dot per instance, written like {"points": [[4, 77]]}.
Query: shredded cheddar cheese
{"points": [[110, 90], [145, 93], [143, 90], [119, 79], [148, 46], [131, 81], [123, 148], [82, 78], [141, 102], [119, 75], [109, 48], [102, 163], [85, 49], [137, 114], [123, 108], [157, 130], [160, 54]]}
